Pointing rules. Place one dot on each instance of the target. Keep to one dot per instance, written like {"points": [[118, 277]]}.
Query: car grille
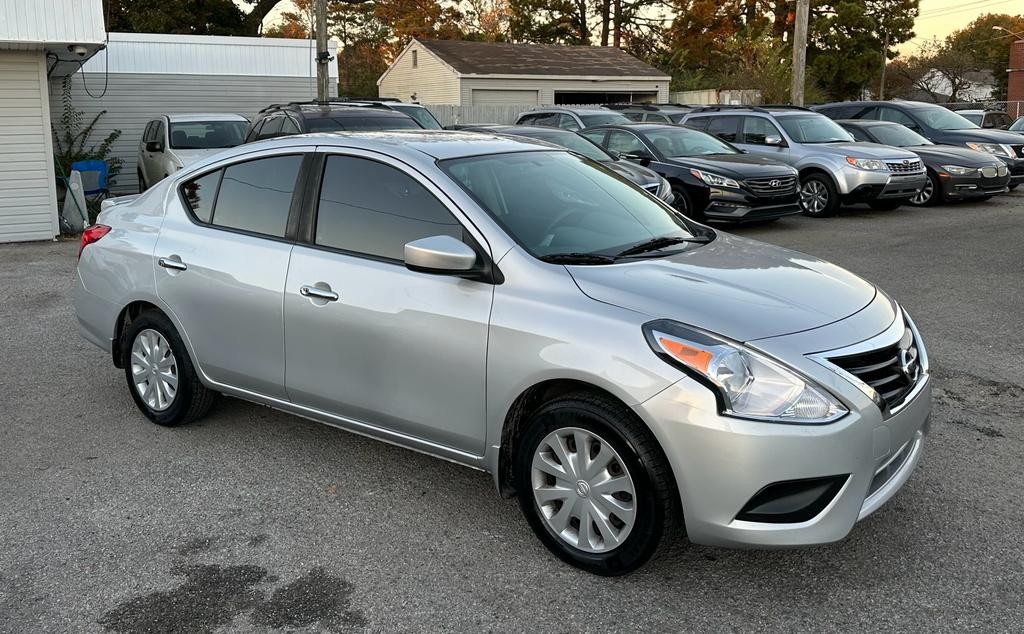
{"points": [[1018, 150], [908, 166], [892, 371], [772, 185]]}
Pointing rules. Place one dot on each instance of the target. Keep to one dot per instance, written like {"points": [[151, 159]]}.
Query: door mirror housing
{"points": [[640, 156], [440, 255], [154, 146], [773, 139]]}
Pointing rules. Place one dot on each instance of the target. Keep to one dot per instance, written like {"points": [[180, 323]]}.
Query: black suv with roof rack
{"points": [[653, 112], [417, 111], [298, 117]]}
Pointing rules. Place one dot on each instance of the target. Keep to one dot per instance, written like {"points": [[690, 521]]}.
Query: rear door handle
{"points": [[170, 263], [316, 292]]}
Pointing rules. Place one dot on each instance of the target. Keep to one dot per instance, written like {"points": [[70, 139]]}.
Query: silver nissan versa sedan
{"points": [[624, 371]]}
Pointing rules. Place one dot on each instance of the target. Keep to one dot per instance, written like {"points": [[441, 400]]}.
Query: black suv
{"points": [[710, 179], [939, 125], [653, 112], [298, 117]]}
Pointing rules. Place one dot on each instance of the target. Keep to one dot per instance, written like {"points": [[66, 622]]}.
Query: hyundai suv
{"points": [[939, 125], [833, 168]]}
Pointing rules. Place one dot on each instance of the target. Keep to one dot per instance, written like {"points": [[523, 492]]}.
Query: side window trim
{"points": [[294, 209]]}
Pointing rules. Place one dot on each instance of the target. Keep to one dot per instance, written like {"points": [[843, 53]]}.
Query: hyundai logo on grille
{"points": [[775, 183], [909, 367]]}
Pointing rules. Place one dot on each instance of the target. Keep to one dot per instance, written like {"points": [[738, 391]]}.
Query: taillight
{"points": [[92, 234]]}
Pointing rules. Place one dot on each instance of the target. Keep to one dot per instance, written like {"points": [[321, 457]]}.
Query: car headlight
{"points": [[958, 170], [1003, 170], [992, 148], [748, 384], [714, 179], [664, 188], [874, 165]]}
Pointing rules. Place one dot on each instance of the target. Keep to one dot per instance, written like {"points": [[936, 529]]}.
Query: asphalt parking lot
{"points": [[253, 520]]}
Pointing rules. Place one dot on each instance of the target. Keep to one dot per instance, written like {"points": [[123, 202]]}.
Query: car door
{"points": [[222, 263], [754, 134], [153, 153], [365, 337], [725, 128], [626, 143]]}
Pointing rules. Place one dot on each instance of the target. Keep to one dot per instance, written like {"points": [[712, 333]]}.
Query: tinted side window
{"points": [[374, 209], [634, 116], [200, 194], [254, 133], [698, 123], [158, 131], [757, 129], [597, 136], [147, 134], [289, 126], [256, 195], [527, 119], [659, 118], [625, 143], [548, 119], [892, 114], [723, 127], [271, 127], [858, 134], [566, 122]]}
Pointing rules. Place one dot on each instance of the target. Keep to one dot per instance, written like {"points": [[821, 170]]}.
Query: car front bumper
{"points": [[963, 187], [740, 206], [720, 463], [862, 185]]}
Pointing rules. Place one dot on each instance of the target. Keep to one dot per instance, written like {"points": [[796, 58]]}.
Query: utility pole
{"points": [[323, 56], [885, 63], [796, 94]]}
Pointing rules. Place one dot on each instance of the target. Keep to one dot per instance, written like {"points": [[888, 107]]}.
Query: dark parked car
{"points": [[1017, 126], [642, 176], [711, 179], [954, 173], [312, 116], [653, 112], [938, 125], [417, 111], [570, 118]]}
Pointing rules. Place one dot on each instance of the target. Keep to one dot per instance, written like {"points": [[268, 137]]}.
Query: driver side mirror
{"points": [[440, 255], [640, 156], [154, 146], [773, 139]]}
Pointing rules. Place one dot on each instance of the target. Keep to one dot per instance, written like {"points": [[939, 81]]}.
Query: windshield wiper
{"points": [[660, 243], [577, 258]]}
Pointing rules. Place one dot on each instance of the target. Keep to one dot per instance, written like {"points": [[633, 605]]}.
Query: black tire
{"points": [[827, 190], [684, 204], [887, 204], [656, 501], [192, 399], [935, 197]]}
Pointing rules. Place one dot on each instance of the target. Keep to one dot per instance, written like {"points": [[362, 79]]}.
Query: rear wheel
{"points": [[594, 484], [818, 195], [930, 194], [160, 375]]}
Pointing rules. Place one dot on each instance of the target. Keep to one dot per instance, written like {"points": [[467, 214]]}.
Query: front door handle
{"points": [[316, 292], [172, 263]]}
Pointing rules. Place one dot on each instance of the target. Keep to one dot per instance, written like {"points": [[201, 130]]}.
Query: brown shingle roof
{"points": [[495, 58]]}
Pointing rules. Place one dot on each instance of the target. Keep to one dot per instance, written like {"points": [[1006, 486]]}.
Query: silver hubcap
{"points": [[583, 490], [925, 194], [813, 196], [154, 369]]}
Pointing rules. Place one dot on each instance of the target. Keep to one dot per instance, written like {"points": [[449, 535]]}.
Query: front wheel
{"points": [[930, 194], [594, 484], [818, 196], [684, 204], [161, 378]]}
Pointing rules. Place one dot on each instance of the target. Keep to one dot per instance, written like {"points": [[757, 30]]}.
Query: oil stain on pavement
{"points": [[213, 596]]}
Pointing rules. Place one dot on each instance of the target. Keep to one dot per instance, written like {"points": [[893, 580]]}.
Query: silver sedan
{"points": [[619, 368]]}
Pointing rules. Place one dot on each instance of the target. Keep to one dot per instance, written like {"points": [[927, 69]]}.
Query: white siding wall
{"points": [[28, 200], [133, 99], [547, 87], [432, 80], [40, 21]]}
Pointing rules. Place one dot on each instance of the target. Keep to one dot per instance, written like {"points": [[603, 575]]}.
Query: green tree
{"points": [[988, 46]]}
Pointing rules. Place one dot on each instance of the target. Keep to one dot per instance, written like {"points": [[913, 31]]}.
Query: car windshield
{"points": [[554, 202], [939, 118], [590, 120], [1018, 125], [973, 117], [676, 142], [363, 123], [898, 136], [572, 141], [207, 135], [422, 115], [813, 128]]}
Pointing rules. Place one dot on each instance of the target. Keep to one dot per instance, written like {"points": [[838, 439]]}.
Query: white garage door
{"points": [[28, 206], [501, 97]]}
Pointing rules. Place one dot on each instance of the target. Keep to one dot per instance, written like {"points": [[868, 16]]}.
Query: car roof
{"points": [[576, 110], [438, 144], [526, 129], [643, 127], [207, 116], [352, 111]]}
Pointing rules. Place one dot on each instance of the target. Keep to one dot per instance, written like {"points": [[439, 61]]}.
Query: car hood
{"points": [[739, 288], [638, 174], [188, 157], [949, 155], [979, 135], [738, 166], [862, 150]]}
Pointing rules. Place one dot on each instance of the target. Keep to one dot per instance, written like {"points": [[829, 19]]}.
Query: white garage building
{"points": [[493, 73], [38, 38]]}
